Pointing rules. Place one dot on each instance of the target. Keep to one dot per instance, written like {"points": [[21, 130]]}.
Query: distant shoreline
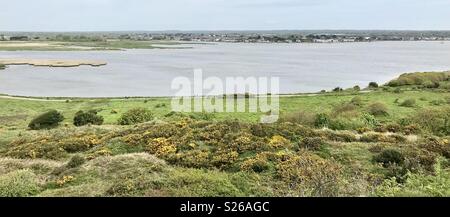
{"points": [[51, 62]]}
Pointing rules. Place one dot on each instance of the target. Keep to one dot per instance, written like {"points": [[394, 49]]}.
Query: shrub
{"points": [[2, 66], [345, 108], [377, 137], [321, 120], [20, 183], [161, 147], [76, 161], [205, 116], [430, 84], [356, 88], [135, 116], [394, 127], [299, 117], [419, 160], [369, 120], [338, 89], [310, 175], [437, 145], [161, 105], [84, 118], [378, 109], [373, 85], [418, 185], [419, 78], [340, 136], [193, 159], [357, 100], [224, 158], [277, 142], [46, 120], [411, 129], [341, 123], [408, 103], [398, 90], [257, 164], [312, 143], [34, 150], [388, 157], [445, 86], [79, 144], [435, 121]]}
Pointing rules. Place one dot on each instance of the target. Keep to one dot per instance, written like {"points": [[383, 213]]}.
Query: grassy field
{"points": [[19, 112], [386, 141]]}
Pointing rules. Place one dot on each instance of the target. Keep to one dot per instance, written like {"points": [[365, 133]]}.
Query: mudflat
{"points": [[51, 62]]}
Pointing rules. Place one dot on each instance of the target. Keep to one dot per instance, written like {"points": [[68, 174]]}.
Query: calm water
{"points": [[301, 67]]}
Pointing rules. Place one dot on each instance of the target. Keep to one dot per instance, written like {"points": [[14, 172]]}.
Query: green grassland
{"points": [[392, 140], [19, 112]]}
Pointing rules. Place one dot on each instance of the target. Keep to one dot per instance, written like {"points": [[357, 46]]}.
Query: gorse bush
{"points": [[47, 120], [408, 103], [135, 116], [344, 108], [346, 123], [20, 183], [378, 109], [84, 118], [309, 175], [321, 120], [357, 100], [257, 164], [435, 121], [418, 185], [76, 161], [420, 78], [436, 145], [389, 157], [312, 143]]}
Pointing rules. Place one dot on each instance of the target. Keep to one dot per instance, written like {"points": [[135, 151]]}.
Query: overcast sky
{"points": [[112, 15]]}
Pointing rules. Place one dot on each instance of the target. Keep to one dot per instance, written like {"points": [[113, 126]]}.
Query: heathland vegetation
{"points": [[391, 140]]}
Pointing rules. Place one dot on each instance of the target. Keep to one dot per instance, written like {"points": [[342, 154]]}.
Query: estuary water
{"points": [[300, 67]]}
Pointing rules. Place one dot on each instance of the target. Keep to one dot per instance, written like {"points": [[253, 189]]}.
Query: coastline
{"points": [[51, 62], [346, 90]]}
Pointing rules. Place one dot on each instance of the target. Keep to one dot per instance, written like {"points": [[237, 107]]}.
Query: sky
{"points": [[157, 15]]}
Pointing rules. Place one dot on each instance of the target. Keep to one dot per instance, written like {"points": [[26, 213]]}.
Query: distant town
{"points": [[310, 36]]}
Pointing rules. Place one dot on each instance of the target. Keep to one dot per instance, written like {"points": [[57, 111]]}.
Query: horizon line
{"points": [[228, 30]]}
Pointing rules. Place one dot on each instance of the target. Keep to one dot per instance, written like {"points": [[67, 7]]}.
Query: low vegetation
{"points": [[135, 116], [344, 143], [424, 79], [84, 118], [46, 120]]}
